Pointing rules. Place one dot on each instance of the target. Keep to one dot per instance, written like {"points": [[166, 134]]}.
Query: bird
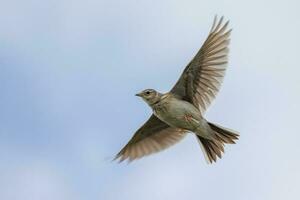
{"points": [[181, 110]]}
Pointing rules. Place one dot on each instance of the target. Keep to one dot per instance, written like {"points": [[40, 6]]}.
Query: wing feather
{"points": [[202, 78], [152, 137]]}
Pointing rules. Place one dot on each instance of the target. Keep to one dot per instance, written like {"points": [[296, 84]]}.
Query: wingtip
{"points": [[119, 158], [214, 23], [217, 23], [116, 159]]}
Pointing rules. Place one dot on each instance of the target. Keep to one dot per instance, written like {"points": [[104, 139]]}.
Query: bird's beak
{"points": [[138, 94]]}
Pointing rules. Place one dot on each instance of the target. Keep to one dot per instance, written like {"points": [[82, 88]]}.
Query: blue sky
{"points": [[68, 74]]}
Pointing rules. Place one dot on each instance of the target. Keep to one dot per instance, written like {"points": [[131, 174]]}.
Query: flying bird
{"points": [[181, 110]]}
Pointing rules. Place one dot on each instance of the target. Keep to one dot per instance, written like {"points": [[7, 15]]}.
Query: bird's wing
{"points": [[201, 79], [152, 137]]}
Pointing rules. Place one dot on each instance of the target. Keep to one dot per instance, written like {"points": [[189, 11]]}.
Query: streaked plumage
{"points": [[181, 110]]}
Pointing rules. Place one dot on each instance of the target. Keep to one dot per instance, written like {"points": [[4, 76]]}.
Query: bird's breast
{"points": [[175, 113]]}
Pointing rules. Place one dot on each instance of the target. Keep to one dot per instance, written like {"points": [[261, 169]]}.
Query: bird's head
{"points": [[150, 96]]}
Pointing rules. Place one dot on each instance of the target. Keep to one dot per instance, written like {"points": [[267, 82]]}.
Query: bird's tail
{"points": [[213, 148]]}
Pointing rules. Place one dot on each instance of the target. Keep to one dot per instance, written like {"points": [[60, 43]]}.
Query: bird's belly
{"points": [[177, 115], [173, 120]]}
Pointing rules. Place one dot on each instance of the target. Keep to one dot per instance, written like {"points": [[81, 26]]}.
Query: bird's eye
{"points": [[148, 92]]}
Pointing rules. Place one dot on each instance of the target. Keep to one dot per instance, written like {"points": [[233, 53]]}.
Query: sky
{"points": [[68, 74]]}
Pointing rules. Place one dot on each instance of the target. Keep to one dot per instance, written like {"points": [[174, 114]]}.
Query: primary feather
{"points": [[202, 77]]}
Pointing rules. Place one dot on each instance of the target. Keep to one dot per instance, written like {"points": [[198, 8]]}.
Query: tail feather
{"points": [[213, 148], [226, 135]]}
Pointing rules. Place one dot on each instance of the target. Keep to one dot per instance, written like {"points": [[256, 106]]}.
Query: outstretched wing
{"points": [[201, 79], [152, 137]]}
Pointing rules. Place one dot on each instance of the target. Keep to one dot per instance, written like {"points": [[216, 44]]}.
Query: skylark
{"points": [[181, 110]]}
